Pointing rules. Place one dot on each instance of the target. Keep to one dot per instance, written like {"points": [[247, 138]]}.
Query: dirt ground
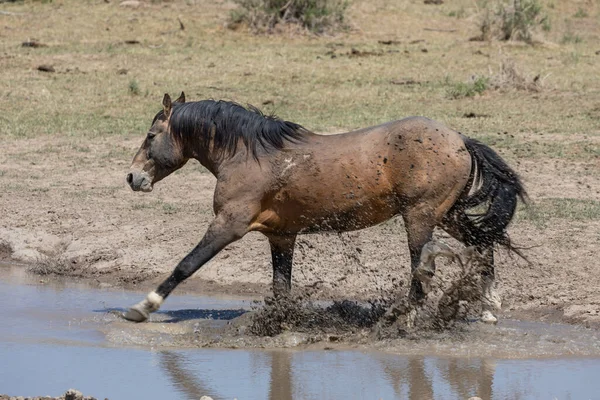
{"points": [[86, 223], [66, 209]]}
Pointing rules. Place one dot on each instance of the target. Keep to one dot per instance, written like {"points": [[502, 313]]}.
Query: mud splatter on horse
{"points": [[280, 179]]}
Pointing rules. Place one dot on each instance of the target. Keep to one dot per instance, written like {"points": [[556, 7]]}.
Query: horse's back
{"points": [[361, 178], [421, 155]]}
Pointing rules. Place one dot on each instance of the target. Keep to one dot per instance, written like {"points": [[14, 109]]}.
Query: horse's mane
{"points": [[231, 122]]}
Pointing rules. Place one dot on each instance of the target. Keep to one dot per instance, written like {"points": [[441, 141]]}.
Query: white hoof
{"points": [[136, 314], [488, 317], [141, 311]]}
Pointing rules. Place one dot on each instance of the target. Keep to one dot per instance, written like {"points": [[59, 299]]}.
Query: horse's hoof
{"points": [[488, 318], [136, 315]]}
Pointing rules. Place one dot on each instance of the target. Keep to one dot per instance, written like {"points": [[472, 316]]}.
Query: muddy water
{"points": [[55, 335]]}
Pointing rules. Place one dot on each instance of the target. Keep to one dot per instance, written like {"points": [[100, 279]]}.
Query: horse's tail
{"points": [[494, 201]]}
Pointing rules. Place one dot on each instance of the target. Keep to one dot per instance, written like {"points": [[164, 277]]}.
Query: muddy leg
{"points": [[220, 233], [282, 253], [489, 298], [420, 232]]}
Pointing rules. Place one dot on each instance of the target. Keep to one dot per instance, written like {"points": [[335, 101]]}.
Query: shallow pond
{"points": [[56, 336]]}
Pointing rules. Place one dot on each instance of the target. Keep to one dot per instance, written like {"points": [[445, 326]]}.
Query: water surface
{"points": [[53, 336]]}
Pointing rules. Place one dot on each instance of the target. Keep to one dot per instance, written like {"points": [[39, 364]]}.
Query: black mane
{"points": [[231, 122]]}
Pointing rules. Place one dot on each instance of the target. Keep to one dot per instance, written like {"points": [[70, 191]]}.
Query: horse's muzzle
{"points": [[139, 181]]}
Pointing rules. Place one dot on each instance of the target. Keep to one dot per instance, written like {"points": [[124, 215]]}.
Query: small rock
{"points": [[206, 398], [46, 68], [130, 3], [73, 394], [33, 43], [475, 398]]}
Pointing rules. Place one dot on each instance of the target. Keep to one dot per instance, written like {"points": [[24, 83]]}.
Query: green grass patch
{"points": [[570, 37], [541, 212], [459, 90], [581, 13]]}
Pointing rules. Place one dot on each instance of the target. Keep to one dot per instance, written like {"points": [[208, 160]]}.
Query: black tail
{"points": [[495, 200]]}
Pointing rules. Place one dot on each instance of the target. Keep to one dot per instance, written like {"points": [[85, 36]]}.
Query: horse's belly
{"points": [[327, 216]]}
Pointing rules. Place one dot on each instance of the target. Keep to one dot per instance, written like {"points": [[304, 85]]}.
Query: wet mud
{"points": [[449, 306]]}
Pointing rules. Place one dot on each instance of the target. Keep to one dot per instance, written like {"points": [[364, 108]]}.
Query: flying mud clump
{"points": [[447, 304]]}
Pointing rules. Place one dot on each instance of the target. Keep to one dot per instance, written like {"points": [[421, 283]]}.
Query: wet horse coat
{"points": [[280, 179]]}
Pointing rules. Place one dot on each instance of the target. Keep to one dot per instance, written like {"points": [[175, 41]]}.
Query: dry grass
{"points": [[53, 264], [512, 20], [511, 77], [103, 86]]}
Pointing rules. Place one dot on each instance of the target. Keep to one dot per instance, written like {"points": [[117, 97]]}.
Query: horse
{"points": [[278, 178]]}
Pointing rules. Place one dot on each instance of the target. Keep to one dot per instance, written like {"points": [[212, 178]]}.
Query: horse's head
{"points": [[160, 154]]}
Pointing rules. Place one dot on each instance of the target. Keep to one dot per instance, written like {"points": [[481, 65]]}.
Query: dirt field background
{"points": [[68, 138]]}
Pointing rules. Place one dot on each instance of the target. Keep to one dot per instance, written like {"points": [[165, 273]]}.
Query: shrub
{"points": [[458, 90], [513, 22], [134, 87], [510, 77], [317, 16]]}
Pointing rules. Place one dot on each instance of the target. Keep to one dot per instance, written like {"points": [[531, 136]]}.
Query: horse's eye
{"points": [[151, 134]]}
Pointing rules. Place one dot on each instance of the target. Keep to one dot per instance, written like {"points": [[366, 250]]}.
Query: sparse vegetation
{"points": [[510, 77], [317, 16], [134, 87], [581, 13], [54, 264], [570, 37], [459, 13], [541, 212], [458, 90], [514, 21]]}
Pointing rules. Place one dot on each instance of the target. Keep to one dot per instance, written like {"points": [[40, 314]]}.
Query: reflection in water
{"points": [[174, 365], [331, 375], [469, 377], [280, 387], [53, 341], [420, 386]]}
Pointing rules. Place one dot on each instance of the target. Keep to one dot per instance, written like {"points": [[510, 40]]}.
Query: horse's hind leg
{"points": [[282, 254], [489, 298], [419, 224]]}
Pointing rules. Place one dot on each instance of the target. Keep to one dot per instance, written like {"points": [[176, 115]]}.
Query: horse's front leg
{"points": [[224, 230], [282, 253]]}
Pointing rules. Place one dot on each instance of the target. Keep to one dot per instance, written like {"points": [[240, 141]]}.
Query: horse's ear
{"points": [[181, 98], [167, 105]]}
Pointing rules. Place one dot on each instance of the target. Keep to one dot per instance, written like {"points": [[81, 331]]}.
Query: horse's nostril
{"points": [[130, 178]]}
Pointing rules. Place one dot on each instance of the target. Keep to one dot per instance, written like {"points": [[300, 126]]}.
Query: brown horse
{"points": [[278, 178]]}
